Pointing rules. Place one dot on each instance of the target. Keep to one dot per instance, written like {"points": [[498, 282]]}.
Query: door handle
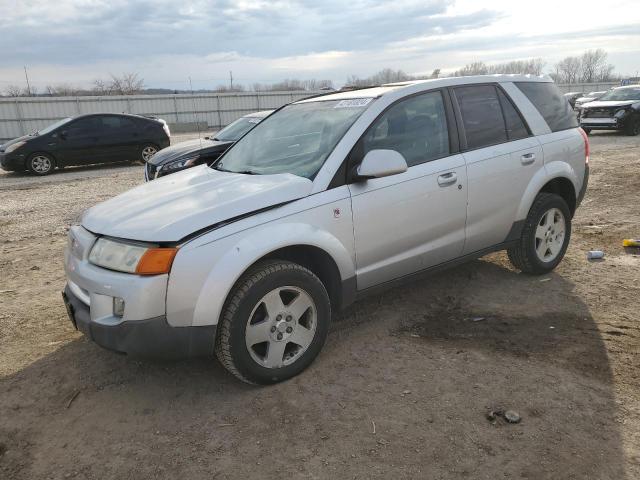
{"points": [[528, 158], [447, 179]]}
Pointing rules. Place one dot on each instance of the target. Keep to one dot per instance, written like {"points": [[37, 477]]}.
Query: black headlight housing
{"points": [[180, 163]]}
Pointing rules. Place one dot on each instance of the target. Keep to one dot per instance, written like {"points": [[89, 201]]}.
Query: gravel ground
{"points": [[401, 390]]}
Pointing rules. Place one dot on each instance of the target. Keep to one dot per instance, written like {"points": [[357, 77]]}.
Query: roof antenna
{"points": [[195, 112]]}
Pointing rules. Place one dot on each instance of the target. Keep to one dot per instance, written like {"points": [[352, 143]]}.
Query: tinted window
{"points": [[515, 125], [548, 100], [84, 126], [415, 127], [481, 115], [116, 123]]}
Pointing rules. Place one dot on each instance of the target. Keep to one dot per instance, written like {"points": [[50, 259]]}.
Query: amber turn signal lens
{"points": [[156, 261]]}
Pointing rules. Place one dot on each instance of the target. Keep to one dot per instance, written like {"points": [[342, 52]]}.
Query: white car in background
{"points": [[589, 97]]}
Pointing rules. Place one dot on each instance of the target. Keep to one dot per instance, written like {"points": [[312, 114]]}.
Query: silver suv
{"points": [[326, 200]]}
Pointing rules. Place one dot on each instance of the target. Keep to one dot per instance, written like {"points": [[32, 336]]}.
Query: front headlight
{"points": [[131, 257], [182, 163], [13, 147], [620, 113]]}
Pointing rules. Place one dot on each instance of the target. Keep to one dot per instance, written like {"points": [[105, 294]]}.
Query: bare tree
{"points": [[590, 67], [386, 75], [63, 90], [473, 68], [435, 73], [227, 89], [594, 66], [15, 91], [126, 84]]}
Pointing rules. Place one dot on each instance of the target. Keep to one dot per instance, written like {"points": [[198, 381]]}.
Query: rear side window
{"points": [[516, 129], [415, 127], [551, 104], [481, 115]]}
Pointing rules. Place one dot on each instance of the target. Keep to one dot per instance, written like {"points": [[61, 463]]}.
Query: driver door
{"points": [[414, 220]]}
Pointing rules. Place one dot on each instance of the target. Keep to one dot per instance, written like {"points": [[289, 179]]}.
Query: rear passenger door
{"points": [[120, 138], [501, 158], [411, 221]]}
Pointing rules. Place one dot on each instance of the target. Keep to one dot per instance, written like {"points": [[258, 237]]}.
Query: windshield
{"points": [[297, 139], [622, 94], [53, 126], [235, 130]]}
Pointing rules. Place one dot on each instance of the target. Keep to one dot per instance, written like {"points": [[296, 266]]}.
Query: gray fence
{"points": [[19, 116], [22, 115], [586, 87]]}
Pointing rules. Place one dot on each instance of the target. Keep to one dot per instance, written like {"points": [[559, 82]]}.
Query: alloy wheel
{"points": [[281, 327], [550, 234], [148, 152], [41, 164]]}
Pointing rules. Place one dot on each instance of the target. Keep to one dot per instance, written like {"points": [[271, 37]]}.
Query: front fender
{"points": [[551, 170], [204, 276]]}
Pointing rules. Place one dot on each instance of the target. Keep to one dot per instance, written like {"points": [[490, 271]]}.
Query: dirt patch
{"points": [[402, 389]]}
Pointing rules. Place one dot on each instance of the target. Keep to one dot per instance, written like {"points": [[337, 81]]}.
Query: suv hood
{"points": [[173, 207], [185, 148], [609, 103]]}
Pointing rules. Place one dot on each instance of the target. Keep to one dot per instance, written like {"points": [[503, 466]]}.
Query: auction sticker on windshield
{"points": [[355, 102]]}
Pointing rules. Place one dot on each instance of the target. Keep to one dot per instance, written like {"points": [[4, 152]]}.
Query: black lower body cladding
{"points": [[150, 338]]}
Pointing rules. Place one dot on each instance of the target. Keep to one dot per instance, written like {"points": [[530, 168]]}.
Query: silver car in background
{"points": [[327, 200]]}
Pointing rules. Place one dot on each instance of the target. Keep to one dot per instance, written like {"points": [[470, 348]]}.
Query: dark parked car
{"points": [[196, 152], [618, 109], [86, 139]]}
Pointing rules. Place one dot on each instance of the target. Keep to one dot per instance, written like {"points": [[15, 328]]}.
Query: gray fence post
{"points": [[19, 117], [219, 114]]}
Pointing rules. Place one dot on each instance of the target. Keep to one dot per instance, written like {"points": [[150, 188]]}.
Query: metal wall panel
{"points": [[19, 116]]}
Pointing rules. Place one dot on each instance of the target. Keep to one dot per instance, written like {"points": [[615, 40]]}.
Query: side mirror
{"points": [[63, 134], [381, 163]]}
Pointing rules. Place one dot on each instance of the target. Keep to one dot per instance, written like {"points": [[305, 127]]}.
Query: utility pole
{"points": [[231, 80], [27, 77]]}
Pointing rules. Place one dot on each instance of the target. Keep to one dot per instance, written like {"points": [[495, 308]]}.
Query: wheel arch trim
{"points": [[239, 254], [552, 171]]}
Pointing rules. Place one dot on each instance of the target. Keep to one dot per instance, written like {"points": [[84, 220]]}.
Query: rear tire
{"points": [[274, 323], [40, 164], [545, 236]]}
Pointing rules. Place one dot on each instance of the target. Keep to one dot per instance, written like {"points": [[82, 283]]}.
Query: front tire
{"points": [[633, 128], [274, 323], [147, 151], [545, 236], [40, 164]]}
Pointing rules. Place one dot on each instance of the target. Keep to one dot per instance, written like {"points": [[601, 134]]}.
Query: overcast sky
{"points": [[166, 41]]}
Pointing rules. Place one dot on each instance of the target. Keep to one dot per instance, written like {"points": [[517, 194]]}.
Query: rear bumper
{"points": [[583, 189], [150, 338]]}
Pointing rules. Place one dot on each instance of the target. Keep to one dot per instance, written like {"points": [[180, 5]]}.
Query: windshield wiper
{"points": [[242, 172]]}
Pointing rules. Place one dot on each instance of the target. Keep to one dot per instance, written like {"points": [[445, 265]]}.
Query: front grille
{"points": [[151, 171], [598, 112]]}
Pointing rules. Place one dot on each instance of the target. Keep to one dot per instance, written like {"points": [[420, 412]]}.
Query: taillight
{"points": [[585, 137]]}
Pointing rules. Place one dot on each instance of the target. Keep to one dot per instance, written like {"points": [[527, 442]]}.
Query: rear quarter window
{"points": [[551, 104]]}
